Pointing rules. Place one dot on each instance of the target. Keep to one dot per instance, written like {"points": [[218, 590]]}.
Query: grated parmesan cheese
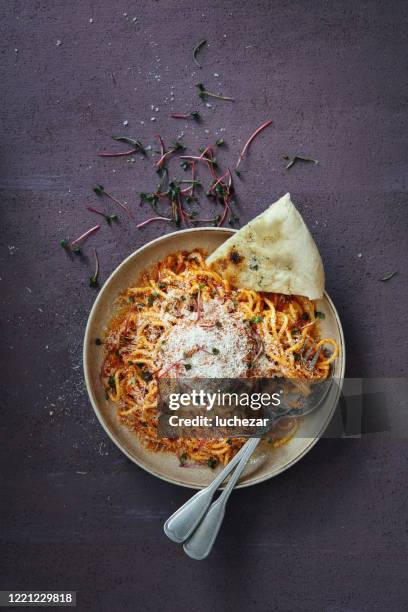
{"points": [[216, 346]]}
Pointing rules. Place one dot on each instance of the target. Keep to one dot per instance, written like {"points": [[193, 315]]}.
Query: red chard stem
{"points": [[152, 219], [250, 139], [85, 235]]}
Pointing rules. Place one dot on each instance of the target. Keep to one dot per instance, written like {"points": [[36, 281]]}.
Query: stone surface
{"points": [[330, 534]]}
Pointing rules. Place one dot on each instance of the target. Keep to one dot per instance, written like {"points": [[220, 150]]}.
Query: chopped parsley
{"points": [[152, 297], [212, 463], [319, 314], [305, 316], [111, 382], [187, 366], [216, 351], [218, 324], [256, 319], [183, 458]]}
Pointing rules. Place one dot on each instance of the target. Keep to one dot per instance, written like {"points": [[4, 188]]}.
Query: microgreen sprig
{"points": [[196, 49], [93, 281], [101, 191], [177, 146], [139, 225], [248, 143], [135, 144], [108, 218], [388, 277], [73, 246], [293, 160], [203, 93], [193, 115]]}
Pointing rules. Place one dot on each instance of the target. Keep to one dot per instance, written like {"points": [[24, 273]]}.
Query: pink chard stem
{"points": [[85, 235], [152, 219], [250, 139]]}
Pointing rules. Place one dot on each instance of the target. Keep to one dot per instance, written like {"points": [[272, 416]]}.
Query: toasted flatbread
{"points": [[273, 252]]}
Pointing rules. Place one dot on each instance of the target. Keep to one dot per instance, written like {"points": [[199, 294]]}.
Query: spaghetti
{"points": [[183, 319]]}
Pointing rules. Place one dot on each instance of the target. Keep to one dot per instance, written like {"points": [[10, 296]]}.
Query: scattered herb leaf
{"points": [[296, 158], [132, 141], [193, 115], [93, 281], [99, 190], [389, 276], [202, 92], [196, 49]]}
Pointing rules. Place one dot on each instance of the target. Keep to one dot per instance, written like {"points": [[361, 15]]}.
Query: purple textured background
{"points": [[329, 534]]}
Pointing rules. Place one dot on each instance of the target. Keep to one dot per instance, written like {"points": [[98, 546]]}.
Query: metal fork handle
{"points": [[203, 538], [180, 525]]}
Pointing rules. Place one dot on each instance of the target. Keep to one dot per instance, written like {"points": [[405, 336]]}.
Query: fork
{"points": [[305, 356], [197, 523], [199, 545], [180, 525]]}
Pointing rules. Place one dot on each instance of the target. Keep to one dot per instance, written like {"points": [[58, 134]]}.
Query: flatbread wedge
{"points": [[274, 252]]}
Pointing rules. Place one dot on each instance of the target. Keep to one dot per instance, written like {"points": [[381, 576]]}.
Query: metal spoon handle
{"points": [[202, 540], [180, 525]]}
